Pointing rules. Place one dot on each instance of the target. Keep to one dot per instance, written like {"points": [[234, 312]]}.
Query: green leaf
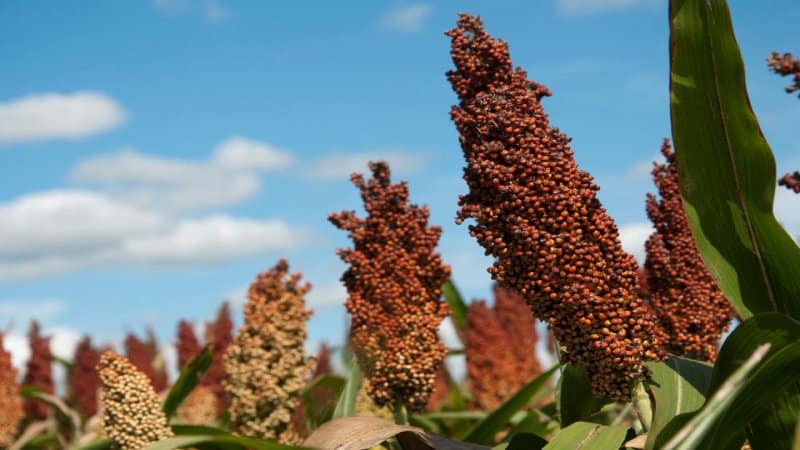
{"points": [[183, 430], [574, 396], [530, 424], [458, 309], [678, 386], [728, 417], [524, 441], [58, 405], [588, 436], [456, 415], [187, 381], [727, 170], [324, 387], [220, 439], [101, 444], [484, 431], [346, 406]]}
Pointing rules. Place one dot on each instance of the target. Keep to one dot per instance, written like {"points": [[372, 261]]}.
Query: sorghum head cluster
{"points": [[491, 366], [187, 345], [266, 365], [515, 318], [132, 414], [11, 412], [143, 355], [441, 390], [394, 283], [683, 294], [219, 334], [538, 214], [84, 381], [199, 407], [786, 65], [38, 372], [791, 181]]}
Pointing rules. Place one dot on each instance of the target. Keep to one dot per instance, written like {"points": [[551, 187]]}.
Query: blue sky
{"points": [[154, 156]]}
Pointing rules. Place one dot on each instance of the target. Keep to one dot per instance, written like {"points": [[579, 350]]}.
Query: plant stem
{"points": [[641, 401], [400, 413]]}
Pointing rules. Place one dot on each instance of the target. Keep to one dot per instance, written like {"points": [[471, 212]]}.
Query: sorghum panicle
{"points": [[786, 65], [199, 407], [538, 214], [266, 365], [39, 372], [84, 381], [187, 345], [219, 334], [394, 283], [791, 181], [132, 414], [491, 366], [516, 319], [683, 294], [441, 390], [143, 356], [11, 412]]}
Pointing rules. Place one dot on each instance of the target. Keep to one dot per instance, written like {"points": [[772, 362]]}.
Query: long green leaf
{"points": [[523, 441], [574, 396], [678, 386], [484, 431], [727, 170], [187, 381], [346, 406], [458, 309], [100, 444], [218, 439], [320, 398], [588, 436]]}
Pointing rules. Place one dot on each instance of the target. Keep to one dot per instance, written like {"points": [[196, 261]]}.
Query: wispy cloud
{"points": [[339, 166], [587, 7], [58, 116], [407, 19], [212, 10], [633, 236]]}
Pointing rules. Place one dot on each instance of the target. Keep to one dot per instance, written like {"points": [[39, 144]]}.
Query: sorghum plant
{"points": [[791, 181], [684, 296], [266, 365], [187, 345], [38, 372], [394, 284], [143, 356], [132, 414], [219, 334], [84, 381], [515, 317], [538, 214], [11, 411], [199, 407], [785, 65]]}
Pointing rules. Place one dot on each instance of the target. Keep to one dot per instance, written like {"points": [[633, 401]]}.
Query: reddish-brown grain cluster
{"points": [[11, 412], [84, 381], [791, 181], [786, 65], [143, 356], [515, 318], [187, 345], [682, 293], [537, 213], [38, 372], [219, 334], [394, 281]]}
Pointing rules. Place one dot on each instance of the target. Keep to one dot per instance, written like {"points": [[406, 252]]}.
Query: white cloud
{"points": [[407, 19], [52, 115], [326, 296], [339, 166], [213, 10], [232, 174], [633, 237], [63, 341], [60, 231], [586, 7]]}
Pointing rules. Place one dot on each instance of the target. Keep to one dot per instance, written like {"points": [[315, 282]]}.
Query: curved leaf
{"points": [[100, 444], [484, 431], [727, 170], [523, 441], [588, 436], [574, 396], [244, 443], [458, 309], [678, 386], [346, 406], [187, 381]]}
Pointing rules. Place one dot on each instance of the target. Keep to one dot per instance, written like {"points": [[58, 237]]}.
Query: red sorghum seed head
{"points": [[538, 214], [786, 65], [441, 390], [394, 282], [132, 414], [683, 294], [219, 334], [83, 380], [515, 318], [266, 365], [143, 355], [11, 412], [39, 372], [791, 181], [187, 345]]}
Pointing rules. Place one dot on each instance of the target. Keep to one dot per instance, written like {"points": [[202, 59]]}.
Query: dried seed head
{"points": [[39, 372], [785, 65], [144, 355], [682, 293], [84, 381], [266, 365], [394, 284], [132, 414], [791, 181], [11, 412], [538, 214], [199, 407]]}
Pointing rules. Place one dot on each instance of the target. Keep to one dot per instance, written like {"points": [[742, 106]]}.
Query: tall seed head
{"points": [[394, 282], [84, 381], [538, 214], [39, 372], [11, 411]]}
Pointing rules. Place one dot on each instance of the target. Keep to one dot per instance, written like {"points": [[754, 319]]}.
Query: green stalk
{"points": [[399, 412], [641, 401]]}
